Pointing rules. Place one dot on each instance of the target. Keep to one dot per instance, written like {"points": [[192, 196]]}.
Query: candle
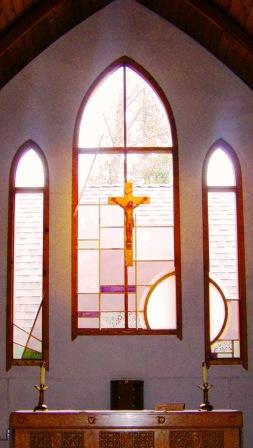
{"points": [[42, 373], [204, 372]]}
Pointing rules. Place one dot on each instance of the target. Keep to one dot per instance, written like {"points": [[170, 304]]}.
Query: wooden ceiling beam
{"points": [[47, 20], [211, 28]]}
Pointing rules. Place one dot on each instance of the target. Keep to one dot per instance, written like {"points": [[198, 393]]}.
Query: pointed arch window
{"points": [[125, 261], [27, 311], [224, 273]]}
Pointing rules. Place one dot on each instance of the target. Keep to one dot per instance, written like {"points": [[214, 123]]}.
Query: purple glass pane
{"points": [[116, 288], [88, 313]]}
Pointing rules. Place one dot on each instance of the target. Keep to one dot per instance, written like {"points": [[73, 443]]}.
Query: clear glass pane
{"points": [[161, 305], [88, 244], [150, 169], [237, 349], [223, 241], [28, 261], [220, 170], [113, 320], [102, 122], [30, 171], [100, 177], [222, 349], [146, 118]]}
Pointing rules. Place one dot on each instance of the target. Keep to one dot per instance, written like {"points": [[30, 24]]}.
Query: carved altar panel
{"points": [[40, 439], [72, 440], [64, 439], [137, 439], [196, 439]]}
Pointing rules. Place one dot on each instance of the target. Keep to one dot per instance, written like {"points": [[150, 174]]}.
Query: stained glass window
{"points": [[224, 257], [28, 259], [125, 215]]}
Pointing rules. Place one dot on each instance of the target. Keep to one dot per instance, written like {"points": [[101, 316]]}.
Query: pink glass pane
{"points": [[88, 222], [112, 238], [88, 302], [112, 302], [112, 267], [111, 215], [155, 243], [88, 322], [88, 271], [147, 271]]}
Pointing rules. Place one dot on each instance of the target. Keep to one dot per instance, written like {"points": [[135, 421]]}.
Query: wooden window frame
{"points": [[125, 61], [237, 189], [10, 361]]}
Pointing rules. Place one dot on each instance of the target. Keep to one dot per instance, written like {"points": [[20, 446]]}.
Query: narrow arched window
{"points": [[27, 311], [126, 260], [224, 270]]}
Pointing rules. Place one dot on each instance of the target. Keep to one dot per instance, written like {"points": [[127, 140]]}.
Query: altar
{"points": [[126, 429]]}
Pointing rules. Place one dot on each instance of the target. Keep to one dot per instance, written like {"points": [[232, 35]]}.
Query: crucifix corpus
{"points": [[128, 202]]}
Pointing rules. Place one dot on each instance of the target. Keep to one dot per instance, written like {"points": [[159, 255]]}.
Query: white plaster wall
{"points": [[209, 102]]}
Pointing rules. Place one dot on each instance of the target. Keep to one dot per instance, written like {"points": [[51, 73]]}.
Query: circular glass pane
{"points": [[218, 311], [161, 304]]}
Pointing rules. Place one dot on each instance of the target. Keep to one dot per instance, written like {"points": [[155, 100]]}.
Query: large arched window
{"points": [[27, 311], [224, 270], [126, 261]]}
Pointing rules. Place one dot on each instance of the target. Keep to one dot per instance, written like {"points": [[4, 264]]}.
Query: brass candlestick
{"points": [[41, 406], [205, 406]]}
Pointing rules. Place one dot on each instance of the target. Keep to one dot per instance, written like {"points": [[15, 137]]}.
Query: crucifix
{"points": [[128, 202]]}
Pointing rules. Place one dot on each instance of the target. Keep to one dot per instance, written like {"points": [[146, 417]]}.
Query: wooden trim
{"points": [[29, 144], [240, 251], [123, 62], [74, 318], [121, 150], [123, 332]]}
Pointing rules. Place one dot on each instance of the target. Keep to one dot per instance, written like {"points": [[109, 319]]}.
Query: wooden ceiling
{"points": [[224, 27]]}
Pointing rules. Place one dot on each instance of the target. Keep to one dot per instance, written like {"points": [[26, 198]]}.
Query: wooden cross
{"points": [[128, 202]]}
